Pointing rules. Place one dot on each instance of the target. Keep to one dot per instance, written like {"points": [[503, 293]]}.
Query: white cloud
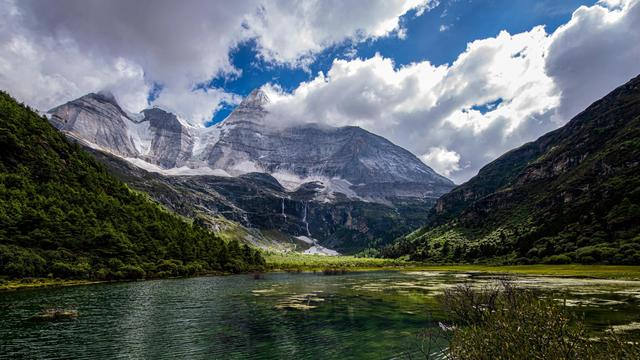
{"points": [[421, 106], [48, 71], [597, 50], [499, 93], [442, 160], [54, 53], [202, 103], [292, 32]]}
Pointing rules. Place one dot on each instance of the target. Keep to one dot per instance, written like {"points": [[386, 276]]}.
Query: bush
{"points": [[171, 267], [195, 268], [133, 272], [504, 322], [592, 254], [67, 270], [557, 259]]}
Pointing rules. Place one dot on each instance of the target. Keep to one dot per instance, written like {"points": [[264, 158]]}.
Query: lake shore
{"points": [[37, 283], [319, 263]]}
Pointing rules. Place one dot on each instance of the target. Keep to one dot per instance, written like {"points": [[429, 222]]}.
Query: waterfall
{"points": [[283, 214], [304, 218]]}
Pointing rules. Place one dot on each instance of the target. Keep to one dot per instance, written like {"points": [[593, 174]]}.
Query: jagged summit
{"points": [[338, 187], [160, 118], [251, 110], [105, 95], [255, 100]]}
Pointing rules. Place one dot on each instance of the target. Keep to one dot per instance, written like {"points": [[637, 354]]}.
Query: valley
{"points": [[309, 179]]}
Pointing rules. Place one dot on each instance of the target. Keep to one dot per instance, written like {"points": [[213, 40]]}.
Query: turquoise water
{"points": [[372, 315]]}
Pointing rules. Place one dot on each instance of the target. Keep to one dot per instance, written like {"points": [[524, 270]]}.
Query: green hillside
{"points": [[571, 196], [63, 215]]}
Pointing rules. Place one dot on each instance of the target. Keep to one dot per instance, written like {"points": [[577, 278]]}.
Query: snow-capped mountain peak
{"points": [[346, 160], [250, 110]]}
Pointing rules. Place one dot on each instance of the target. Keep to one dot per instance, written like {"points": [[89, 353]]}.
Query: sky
{"points": [[456, 82]]}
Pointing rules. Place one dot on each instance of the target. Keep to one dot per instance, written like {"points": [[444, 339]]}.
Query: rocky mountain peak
{"points": [[161, 119], [251, 110], [255, 100], [105, 95]]}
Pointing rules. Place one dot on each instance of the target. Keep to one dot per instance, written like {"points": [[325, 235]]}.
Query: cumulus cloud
{"points": [[54, 53], [46, 71], [499, 93], [442, 160], [292, 32], [593, 53]]}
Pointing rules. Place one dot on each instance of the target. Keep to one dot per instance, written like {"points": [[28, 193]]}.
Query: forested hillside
{"points": [[63, 215], [573, 195]]}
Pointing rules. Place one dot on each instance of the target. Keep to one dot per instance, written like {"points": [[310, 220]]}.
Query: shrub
{"points": [[557, 259], [195, 268], [133, 272], [67, 270], [504, 322]]}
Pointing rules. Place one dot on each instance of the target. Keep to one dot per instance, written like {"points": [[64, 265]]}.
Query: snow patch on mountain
{"points": [[203, 138], [141, 135], [180, 171], [316, 249]]}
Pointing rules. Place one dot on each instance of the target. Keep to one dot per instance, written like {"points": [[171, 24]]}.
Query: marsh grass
{"points": [[502, 321], [294, 262]]}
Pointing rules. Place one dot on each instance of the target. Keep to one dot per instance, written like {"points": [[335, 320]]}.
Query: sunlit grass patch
{"points": [[302, 262]]}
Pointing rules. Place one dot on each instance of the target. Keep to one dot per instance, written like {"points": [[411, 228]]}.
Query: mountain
{"points": [[62, 214], [573, 195], [346, 160], [344, 187]]}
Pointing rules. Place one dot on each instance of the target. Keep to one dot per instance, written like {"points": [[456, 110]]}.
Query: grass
{"points": [[301, 262], [31, 283]]}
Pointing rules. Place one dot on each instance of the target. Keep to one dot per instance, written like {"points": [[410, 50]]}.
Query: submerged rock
{"points": [[301, 302], [55, 314]]}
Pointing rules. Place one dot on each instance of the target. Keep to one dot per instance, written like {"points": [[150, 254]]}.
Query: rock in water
{"points": [[55, 314]]}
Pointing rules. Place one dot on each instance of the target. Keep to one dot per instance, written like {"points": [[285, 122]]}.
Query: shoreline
{"points": [[604, 272]]}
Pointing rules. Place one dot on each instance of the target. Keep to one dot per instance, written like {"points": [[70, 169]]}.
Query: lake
{"points": [[365, 315]]}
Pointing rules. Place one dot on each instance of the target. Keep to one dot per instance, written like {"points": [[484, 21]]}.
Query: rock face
{"points": [[98, 119], [344, 187], [171, 143], [571, 195]]}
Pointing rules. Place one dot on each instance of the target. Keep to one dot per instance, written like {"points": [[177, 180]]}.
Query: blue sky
{"points": [[437, 36]]}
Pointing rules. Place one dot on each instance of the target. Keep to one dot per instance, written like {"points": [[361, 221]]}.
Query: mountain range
{"points": [[573, 195], [312, 186]]}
